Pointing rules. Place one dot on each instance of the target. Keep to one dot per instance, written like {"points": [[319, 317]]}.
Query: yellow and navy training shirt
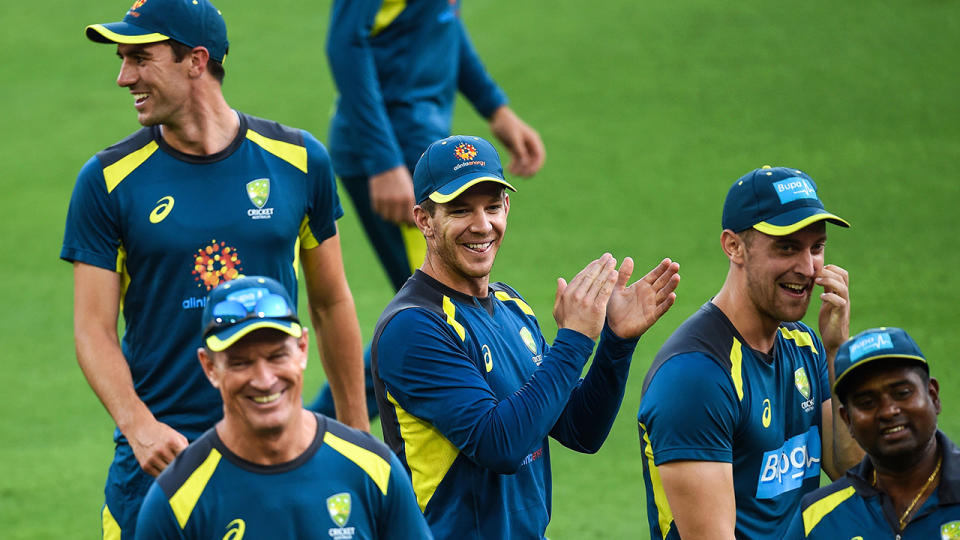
{"points": [[346, 486], [398, 65], [852, 507], [174, 226], [468, 391], [709, 397]]}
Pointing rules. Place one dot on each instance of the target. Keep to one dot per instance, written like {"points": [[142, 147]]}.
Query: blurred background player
{"points": [[270, 468], [737, 401], [467, 385], [398, 67], [908, 486], [201, 195]]}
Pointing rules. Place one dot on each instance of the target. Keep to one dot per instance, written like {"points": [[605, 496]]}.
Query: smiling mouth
{"points": [[479, 247], [894, 429], [267, 399], [794, 288], [139, 98]]}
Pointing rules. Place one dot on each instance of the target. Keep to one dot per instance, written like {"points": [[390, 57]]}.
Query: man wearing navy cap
{"points": [[270, 468], [467, 385], [908, 485], [737, 401], [200, 195]]}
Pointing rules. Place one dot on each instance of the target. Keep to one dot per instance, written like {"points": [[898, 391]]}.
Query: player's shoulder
{"points": [[799, 335], [135, 142], [354, 441], [511, 298], [273, 130], [420, 293], [834, 493], [708, 332], [199, 458]]}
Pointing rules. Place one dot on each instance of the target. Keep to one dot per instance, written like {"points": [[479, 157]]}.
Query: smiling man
{"points": [[270, 468], [467, 385], [737, 401], [202, 194], [908, 486]]}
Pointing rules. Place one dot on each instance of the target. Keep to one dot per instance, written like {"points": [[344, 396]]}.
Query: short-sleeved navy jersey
{"points": [[346, 486], [469, 389], [710, 397], [852, 507], [176, 225]]}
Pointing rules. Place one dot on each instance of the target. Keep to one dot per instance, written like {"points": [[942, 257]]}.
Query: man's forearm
{"points": [[341, 353]]}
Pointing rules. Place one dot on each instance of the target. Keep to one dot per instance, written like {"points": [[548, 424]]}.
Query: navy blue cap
{"points": [[875, 344], [240, 306], [195, 23], [451, 166], [777, 201]]}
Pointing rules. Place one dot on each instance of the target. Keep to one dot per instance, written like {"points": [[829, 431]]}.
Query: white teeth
{"points": [[138, 97], [482, 246], [267, 399], [893, 430], [793, 287]]}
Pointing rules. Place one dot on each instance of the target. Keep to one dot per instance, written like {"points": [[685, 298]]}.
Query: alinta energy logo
{"points": [[465, 151], [136, 5], [215, 263]]}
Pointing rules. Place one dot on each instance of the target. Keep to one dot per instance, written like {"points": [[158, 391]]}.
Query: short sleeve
{"points": [[690, 410], [156, 519], [323, 203], [92, 233], [403, 519]]}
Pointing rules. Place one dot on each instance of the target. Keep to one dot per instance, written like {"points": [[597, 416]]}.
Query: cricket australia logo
{"points": [[259, 192], [802, 382], [950, 531], [528, 340], [338, 506]]}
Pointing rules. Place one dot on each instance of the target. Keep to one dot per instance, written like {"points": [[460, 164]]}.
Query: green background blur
{"points": [[649, 111]]}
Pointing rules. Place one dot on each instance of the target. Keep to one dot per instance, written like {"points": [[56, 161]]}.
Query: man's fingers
{"points": [[623, 275], [833, 299], [657, 271]]}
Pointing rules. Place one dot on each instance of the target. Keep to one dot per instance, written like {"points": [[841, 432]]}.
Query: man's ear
{"points": [[198, 61], [845, 416], [303, 343], [423, 221], [207, 363], [934, 388], [733, 246]]}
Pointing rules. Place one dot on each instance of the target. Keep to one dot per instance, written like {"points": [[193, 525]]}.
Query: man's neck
{"points": [[904, 479], [469, 286], [206, 126], [273, 448], [758, 330]]}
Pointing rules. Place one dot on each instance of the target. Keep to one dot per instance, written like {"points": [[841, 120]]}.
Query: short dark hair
{"points": [[180, 51], [856, 378], [429, 206]]}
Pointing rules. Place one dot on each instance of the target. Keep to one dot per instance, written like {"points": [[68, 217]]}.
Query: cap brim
{"points": [[121, 32], [855, 367], [452, 190], [794, 220], [219, 341]]}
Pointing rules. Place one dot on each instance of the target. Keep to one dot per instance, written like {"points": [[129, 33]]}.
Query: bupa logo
{"points": [[870, 343], [259, 192], [785, 468], [794, 188]]}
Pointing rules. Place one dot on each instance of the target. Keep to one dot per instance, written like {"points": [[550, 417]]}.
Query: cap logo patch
{"points": [[794, 188], [137, 4], [465, 151], [868, 344]]}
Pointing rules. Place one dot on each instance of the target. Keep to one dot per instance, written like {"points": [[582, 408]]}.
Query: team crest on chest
{"points": [[531, 344], [338, 506], [802, 382], [950, 530], [259, 192]]}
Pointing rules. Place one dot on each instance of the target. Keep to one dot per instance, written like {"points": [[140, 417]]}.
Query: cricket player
{"points": [[270, 468], [908, 486], [398, 67], [200, 195], [736, 415], [468, 387]]}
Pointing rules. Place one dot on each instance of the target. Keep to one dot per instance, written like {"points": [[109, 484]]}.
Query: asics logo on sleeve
{"points": [[785, 468], [164, 206], [487, 358]]}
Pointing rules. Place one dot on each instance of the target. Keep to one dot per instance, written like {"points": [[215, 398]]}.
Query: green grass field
{"points": [[649, 111]]}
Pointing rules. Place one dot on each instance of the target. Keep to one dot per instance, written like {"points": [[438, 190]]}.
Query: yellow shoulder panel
{"points": [[524, 307], [115, 173], [429, 454], [736, 367], [664, 514], [802, 338], [451, 312], [389, 10], [187, 496], [306, 238], [818, 510], [111, 529], [291, 153], [375, 466]]}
